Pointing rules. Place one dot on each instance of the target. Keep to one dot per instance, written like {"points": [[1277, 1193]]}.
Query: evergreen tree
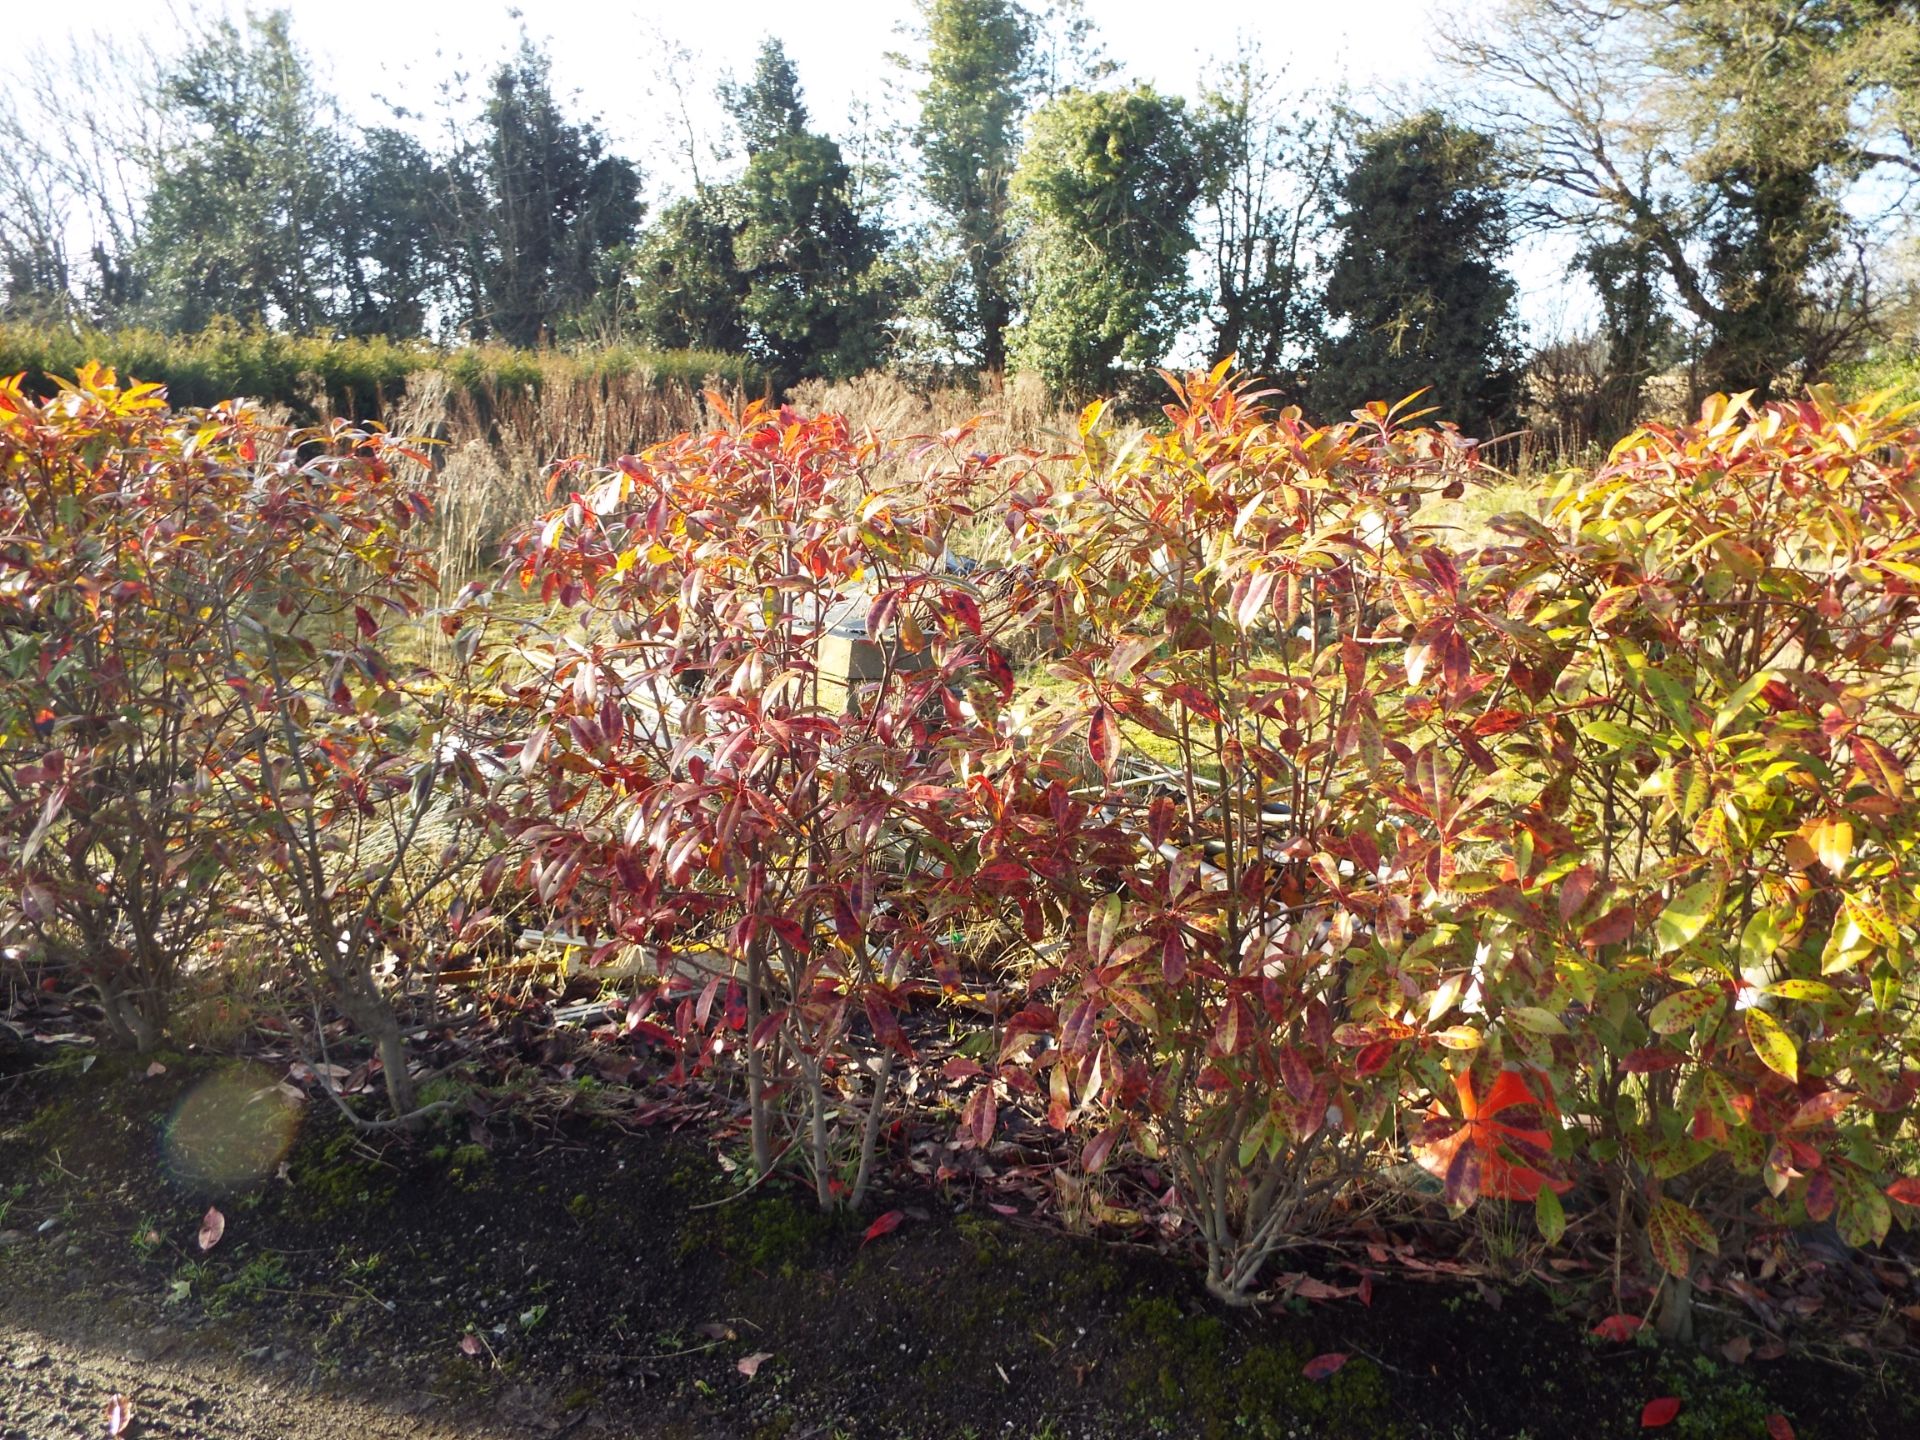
{"points": [[241, 218], [393, 263], [980, 70], [538, 205], [768, 109], [814, 298], [1417, 291], [1107, 184], [688, 292]]}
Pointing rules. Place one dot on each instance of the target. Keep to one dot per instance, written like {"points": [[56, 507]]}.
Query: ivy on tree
{"points": [[1417, 296], [1107, 184], [980, 70]]}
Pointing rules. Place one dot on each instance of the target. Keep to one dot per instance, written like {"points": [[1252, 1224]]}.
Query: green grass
{"points": [[1895, 372]]}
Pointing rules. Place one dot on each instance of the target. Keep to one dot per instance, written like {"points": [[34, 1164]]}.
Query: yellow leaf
{"points": [[1772, 1044], [1831, 841]]}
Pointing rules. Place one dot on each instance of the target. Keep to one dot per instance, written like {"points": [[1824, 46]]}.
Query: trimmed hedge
{"points": [[358, 378]]}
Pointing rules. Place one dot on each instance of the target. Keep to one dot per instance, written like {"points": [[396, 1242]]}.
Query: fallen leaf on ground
{"points": [[1617, 1328], [1779, 1427], [1659, 1412], [1323, 1366], [885, 1225], [119, 1414], [470, 1345], [212, 1226], [750, 1364]]}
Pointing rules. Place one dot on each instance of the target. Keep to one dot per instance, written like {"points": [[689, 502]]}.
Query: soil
{"points": [[534, 1273]]}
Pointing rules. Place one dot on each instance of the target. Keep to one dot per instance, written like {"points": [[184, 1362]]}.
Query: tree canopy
{"points": [[1417, 289]]}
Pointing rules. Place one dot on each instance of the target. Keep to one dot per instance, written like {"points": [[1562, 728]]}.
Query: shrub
{"points": [[1698, 918], [361, 799], [1575, 860], [1274, 783], [200, 718], [787, 846], [118, 571]]}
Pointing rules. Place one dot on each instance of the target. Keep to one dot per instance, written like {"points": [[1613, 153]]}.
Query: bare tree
{"points": [[80, 130], [1268, 214], [1725, 137]]}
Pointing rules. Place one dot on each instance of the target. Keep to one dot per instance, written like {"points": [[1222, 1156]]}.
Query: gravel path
{"points": [[54, 1388]]}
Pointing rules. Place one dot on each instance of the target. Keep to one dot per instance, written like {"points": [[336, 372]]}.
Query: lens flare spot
{"points": [[230, 1130]]}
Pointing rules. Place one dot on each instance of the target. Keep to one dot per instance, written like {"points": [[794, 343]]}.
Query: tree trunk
{"points": [[131, 1023], [1674, 1323], [756, 1063]]}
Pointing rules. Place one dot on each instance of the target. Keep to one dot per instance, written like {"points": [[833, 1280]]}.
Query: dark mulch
{"points": [[552, 1272]]}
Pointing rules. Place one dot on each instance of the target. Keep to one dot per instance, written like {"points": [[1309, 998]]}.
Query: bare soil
{"points": [[526, 1273]]}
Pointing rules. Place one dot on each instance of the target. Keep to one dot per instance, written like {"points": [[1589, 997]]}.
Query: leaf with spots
{"points": [[1772, 1044], [1674, 1232]]}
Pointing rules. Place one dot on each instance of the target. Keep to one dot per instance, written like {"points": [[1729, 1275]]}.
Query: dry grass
{"points": [[496, 446], [1018, 415]]}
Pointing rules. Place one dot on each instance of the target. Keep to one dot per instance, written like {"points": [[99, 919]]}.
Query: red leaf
{"points": [[999, 670], [1103, 738], [1322, 1367], [1821, 1196], [119, 1414], [470, 1345], [961, 606], [1373, 1058], [977, 1120], [885, 1225], [1617, 1328], [749, 1365], [1659, 1412], [1611, 928], [1652, 1059], [1906, 1190], [212, 1227], [1779, 1427]]}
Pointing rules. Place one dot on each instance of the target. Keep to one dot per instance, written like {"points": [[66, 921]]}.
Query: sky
{"points": [[376, 54]]}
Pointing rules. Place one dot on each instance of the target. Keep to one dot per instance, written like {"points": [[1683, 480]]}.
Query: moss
{"points": [[1188, 1374], [984, 1236], [335, 1179], [469, 1166], [767, 1233], [1715, 1403], [253, 1281], [52, 1122]]}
